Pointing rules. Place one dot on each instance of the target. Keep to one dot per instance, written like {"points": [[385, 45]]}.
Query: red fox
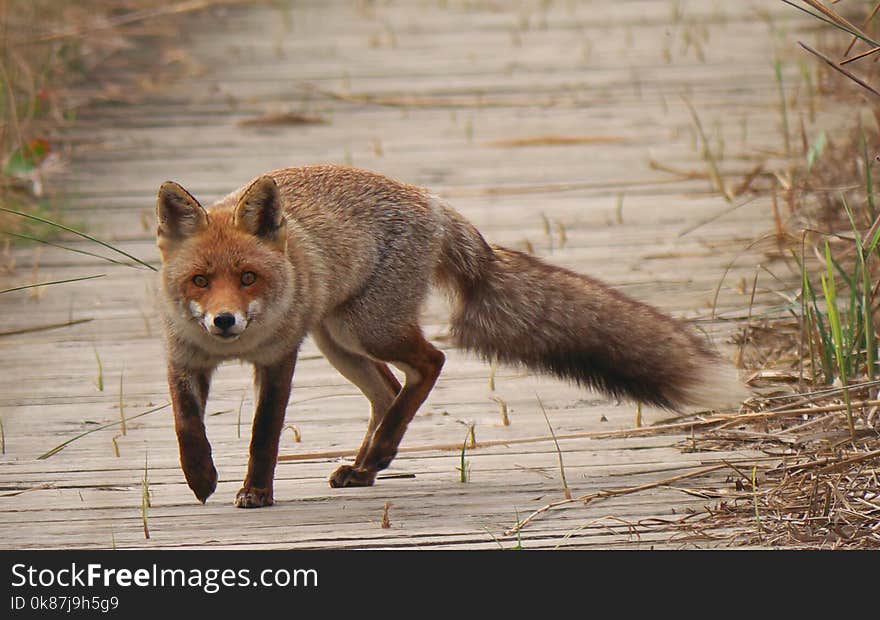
{"points": [[347, 256]]}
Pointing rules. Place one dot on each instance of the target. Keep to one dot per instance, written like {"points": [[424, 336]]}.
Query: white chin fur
{"points": [[227, 338]]}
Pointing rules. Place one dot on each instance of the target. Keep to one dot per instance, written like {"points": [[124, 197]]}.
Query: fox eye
{"points": [[248, 278], [200, 281]]}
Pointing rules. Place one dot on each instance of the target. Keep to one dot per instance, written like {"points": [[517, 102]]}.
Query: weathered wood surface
{"points": [[453, 81]]}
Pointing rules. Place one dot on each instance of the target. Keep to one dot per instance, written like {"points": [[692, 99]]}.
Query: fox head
{"points": [[223, 271]]}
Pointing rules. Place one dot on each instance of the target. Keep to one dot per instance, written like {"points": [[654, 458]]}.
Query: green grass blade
{"points": [[816, 320], [850, 281], [834, 320], [27, 286], [806, 320], [830, 291], [64, 247], [463, 465], [64, 444], [864, 293], [806, 292], [816, 149], [872, 244], [81, 234]]}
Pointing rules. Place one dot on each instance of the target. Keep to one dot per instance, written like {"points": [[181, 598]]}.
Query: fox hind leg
{"points": [[371, 377], [421, 362]]}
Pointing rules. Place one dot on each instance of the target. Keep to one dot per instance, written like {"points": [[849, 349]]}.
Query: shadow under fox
{"points": [[348, 256]]}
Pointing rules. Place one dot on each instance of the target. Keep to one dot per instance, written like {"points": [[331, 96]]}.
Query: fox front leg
{"points": [[273, 387], [189, 393]]}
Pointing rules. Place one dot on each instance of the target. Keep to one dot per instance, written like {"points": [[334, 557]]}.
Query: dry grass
{"points": [[273, 119], [814, 358], [555, 140], [386, 520], [452, 102], [820, 490], [816, 486]]}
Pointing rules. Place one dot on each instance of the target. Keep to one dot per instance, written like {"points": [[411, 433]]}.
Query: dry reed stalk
{"points": [[386, 521], [658, 429], [610, 493], [556, 141], [565, 490], [415, 101], [840, 69], [867, 21]]}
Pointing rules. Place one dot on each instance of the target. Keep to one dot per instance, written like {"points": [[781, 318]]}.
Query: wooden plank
{"points": [[477, 74]]}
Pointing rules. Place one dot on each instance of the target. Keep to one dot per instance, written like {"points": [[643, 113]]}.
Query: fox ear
{"points": [[180, 215], [259, 211]]}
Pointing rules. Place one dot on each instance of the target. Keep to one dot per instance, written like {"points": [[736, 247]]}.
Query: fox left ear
{"points": [[259, 212]]}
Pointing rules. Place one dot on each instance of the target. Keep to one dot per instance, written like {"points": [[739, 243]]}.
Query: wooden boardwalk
{"points": [[538, 121]]}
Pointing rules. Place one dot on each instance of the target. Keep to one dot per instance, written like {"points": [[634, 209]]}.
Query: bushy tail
{"points": [[520, 310]]}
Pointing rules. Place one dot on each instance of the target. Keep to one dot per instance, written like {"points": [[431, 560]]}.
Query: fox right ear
{"points": [[260, 213], [180, 215]]}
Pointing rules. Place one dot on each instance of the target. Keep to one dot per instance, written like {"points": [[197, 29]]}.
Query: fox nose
{"points": [[224, 320]]}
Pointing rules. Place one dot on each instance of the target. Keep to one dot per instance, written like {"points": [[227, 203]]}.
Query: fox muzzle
{"points": [[226, 325]]}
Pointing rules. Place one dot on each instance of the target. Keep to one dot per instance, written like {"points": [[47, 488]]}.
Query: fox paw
{"points": [[202, 480], [253, 497], [348, 476]]}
